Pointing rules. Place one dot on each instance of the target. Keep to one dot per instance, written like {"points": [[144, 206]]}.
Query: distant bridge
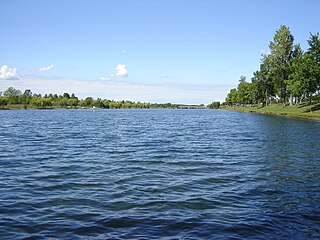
{"points": [[183, 106]]}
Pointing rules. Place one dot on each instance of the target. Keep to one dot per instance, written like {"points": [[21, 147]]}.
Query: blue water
{"points": [[158, 174]]}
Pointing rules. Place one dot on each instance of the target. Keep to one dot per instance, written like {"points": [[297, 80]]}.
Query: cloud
{"points": [[7, 73], [121, 70], [174, 93], [264, 51], [222, 71], [166, 76], [105, 78], [124, 51], [46, 68]]}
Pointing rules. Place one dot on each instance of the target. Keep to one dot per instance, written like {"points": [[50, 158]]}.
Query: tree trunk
{"points": [[310, 98], [291, 99], [266, 97]]}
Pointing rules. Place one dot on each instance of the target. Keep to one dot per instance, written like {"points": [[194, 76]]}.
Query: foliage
{"points": [[28, 99], [214, 105], [286, 75], [12, 95], [3, 101]]}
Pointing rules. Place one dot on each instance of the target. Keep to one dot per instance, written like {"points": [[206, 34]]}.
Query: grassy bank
{"points": [[304, 110]]}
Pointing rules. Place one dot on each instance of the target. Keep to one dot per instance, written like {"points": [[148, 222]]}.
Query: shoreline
{"points": [[280, 110]]}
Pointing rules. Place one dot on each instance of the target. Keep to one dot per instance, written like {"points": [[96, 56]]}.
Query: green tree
{"points": [[261, 87], [304, 76], [13, 95], [314, 51], [66, 95], [73, 102], [87, 102], [73, 96], [232, 97], [244, 91], [280, 59], [26, 98], [36, 101], [297, 75], [62, 102], [98, 103], [3, 101], [214, 105]]}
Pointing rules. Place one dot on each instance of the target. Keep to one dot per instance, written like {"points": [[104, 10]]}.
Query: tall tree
{"points": [[232, 97], [244, 91], [262, 83], [26, 98], [314, 51], [281, 49], [296, 78]]}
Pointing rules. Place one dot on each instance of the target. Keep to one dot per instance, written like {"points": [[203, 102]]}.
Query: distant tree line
{"points": [[287, 74], [214, 105], [27, 99]]}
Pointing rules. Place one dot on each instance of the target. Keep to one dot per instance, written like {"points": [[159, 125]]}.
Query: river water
{"points": [[158, 174]]}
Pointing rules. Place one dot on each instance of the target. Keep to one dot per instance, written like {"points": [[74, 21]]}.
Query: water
{"points": [[158, 174]]}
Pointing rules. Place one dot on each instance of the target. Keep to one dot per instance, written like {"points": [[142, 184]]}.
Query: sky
{"points": [[178, 51]]}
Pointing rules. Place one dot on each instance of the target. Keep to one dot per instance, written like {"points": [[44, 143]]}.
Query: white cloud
{"points": [[7, 73], [118, 90], [105, 78], [121, 70], [124, 51], [166, 76], [264, 51], [46, 68]]}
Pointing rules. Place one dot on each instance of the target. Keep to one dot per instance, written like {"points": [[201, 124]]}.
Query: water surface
{"points": [[158, 174]]}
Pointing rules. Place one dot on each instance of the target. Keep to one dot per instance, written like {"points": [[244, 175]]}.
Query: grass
{"points": [[304, 110]]}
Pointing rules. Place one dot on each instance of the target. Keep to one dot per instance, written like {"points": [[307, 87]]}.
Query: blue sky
{"points": [[187, 51]]}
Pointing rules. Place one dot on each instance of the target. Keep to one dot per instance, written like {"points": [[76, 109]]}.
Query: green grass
{"points": [[304, 110]]}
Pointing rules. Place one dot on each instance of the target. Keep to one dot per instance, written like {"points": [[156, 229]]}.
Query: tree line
{"points": [[27, 99], [287, 74]]}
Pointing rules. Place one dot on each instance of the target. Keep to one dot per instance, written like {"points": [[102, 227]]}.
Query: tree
{"points": [[294, 82], [304, 76], [26, 98], [62, 102], [214, 105], [87, 102], [12, 95], [98, 103], [314, 46], [73, 96], [66, 95], [280, 59], [232, 97], [244, 91], [46, 102], [309, 72], [73, 102], [262, 87], [3, 101], [314, 51], [35, 101]]}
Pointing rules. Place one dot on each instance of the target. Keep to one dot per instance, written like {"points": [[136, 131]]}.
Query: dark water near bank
{"points": [[158, 174]]}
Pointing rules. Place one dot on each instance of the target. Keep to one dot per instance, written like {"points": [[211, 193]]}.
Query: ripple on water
{"points": [[158, 174]]}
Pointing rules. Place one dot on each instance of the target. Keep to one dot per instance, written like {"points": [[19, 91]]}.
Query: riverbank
{"points": [[302, 111], [149, 106]]}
